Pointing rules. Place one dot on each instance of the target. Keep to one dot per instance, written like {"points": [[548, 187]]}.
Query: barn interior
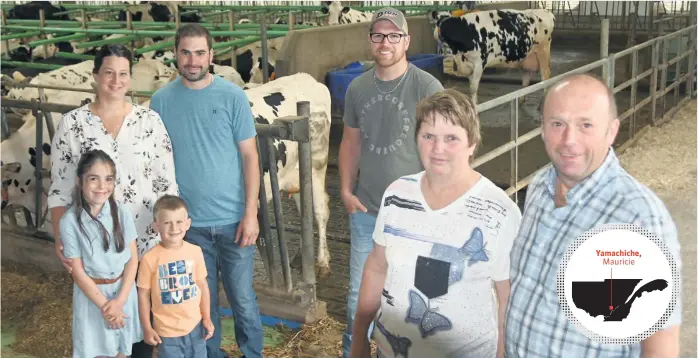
{"points": [[645, 49]]}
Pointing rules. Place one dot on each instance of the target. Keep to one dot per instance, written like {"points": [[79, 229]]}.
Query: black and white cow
{"points": [[269, 102], [278, 99], [31, 11], [339, 14], [498, 38], [157, 11]]}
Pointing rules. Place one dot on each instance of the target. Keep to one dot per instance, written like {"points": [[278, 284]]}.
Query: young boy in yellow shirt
{"points": [[173, 276]]}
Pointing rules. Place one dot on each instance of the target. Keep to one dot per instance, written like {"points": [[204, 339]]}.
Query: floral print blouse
{"points": [[142, 152]]}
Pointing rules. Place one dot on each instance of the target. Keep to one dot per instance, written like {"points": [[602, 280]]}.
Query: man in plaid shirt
{"points": [[586, 187]]}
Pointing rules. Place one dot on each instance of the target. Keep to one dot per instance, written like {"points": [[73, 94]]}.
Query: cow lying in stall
{"points": [[498, 38], [269, 101]]}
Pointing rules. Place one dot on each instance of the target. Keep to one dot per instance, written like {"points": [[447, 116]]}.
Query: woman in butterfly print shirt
{"points": [[442, 237], [133, 136]]}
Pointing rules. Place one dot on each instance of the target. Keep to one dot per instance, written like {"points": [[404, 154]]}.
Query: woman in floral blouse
{"points": [[133, 136]]}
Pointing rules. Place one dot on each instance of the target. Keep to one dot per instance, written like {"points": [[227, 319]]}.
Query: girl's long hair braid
{"points": [[86, 161]]}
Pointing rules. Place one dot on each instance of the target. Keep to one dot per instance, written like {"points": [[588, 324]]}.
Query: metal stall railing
{"points": [[634, 17], [660, 112], [281, 296]]}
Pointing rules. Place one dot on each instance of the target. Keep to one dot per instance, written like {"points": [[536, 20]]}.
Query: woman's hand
{"points": [[59, 252], [113, 309], [117, 321]]}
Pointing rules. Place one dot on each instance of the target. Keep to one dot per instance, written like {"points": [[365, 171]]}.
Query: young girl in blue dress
{"points": [[99, 236]]}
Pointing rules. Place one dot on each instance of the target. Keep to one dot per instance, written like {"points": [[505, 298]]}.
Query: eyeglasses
{"points": [[393, 38]]}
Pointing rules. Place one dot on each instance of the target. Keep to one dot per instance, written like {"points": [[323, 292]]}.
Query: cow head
{"points": [[22, 53], [135, 16], [256, 74], [244, 65], [160, 12], [334, 9]]}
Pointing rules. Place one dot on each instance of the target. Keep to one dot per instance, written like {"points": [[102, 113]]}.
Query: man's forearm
{"points": [[348, 166], [250, 168]]}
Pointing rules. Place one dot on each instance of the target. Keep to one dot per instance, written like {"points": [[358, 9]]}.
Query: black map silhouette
{"points": [[594, 297]]}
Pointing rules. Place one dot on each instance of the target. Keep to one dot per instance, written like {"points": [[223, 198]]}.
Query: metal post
{"points": [[39, 164], [650, 23], [633, 94], [265, 49], [42, 24], [279, 215], [611, 68], [665, 68], [692, 46], [677, 71], [605, 23], [129, 25], [84, 18], [46, 116], [514, 153], [7, 42], [265, 230], [307, 235], [176, 15], [291, 20], [3, 124], [653, 80], [231, 27]]}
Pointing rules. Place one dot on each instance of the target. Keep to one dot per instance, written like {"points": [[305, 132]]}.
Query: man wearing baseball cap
{"points": [[378, 147]]}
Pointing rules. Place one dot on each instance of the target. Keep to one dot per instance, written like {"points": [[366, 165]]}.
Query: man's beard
{"points": [[387, 62], [194, 77]]}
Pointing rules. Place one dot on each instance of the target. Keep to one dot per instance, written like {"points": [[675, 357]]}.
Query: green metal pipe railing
{"points": [[40, 66], [74, 56], [139, 24], [158, 46], [90, 7], [116, 40], [67, 12], [300, 7], [144, 33], [238, 42], [20, 35], [56, 40]]}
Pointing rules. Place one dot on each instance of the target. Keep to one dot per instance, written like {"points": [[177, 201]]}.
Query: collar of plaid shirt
{"points": [[589, 185]]}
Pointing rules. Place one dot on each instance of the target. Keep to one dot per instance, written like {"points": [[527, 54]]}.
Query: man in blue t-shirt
{"points": [[211, 126]]}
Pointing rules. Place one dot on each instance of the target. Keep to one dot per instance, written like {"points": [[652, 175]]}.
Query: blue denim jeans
{"points": [[361, 227], [192, 345], [236, 266]]}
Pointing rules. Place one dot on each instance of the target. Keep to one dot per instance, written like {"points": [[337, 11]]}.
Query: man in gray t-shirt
{"points": [[378, 142]]}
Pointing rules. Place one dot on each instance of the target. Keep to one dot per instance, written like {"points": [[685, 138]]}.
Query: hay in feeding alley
{"points": [[664, 159], [38, 306], [321, 339]]}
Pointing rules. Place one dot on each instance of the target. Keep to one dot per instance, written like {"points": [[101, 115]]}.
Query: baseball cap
{"points": [[391, 14]]}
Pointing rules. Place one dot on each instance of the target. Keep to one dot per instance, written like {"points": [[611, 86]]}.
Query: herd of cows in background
{"points": [[474, 39]]}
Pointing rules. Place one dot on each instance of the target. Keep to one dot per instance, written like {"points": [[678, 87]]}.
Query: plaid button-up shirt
{"points": [[536, 325]]}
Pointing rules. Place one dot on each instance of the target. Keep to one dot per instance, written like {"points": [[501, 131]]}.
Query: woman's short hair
{"points": [[112, 50], [456, 108]]}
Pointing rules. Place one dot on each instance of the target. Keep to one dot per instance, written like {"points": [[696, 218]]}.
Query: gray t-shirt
{"points": [[387, 122]]}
